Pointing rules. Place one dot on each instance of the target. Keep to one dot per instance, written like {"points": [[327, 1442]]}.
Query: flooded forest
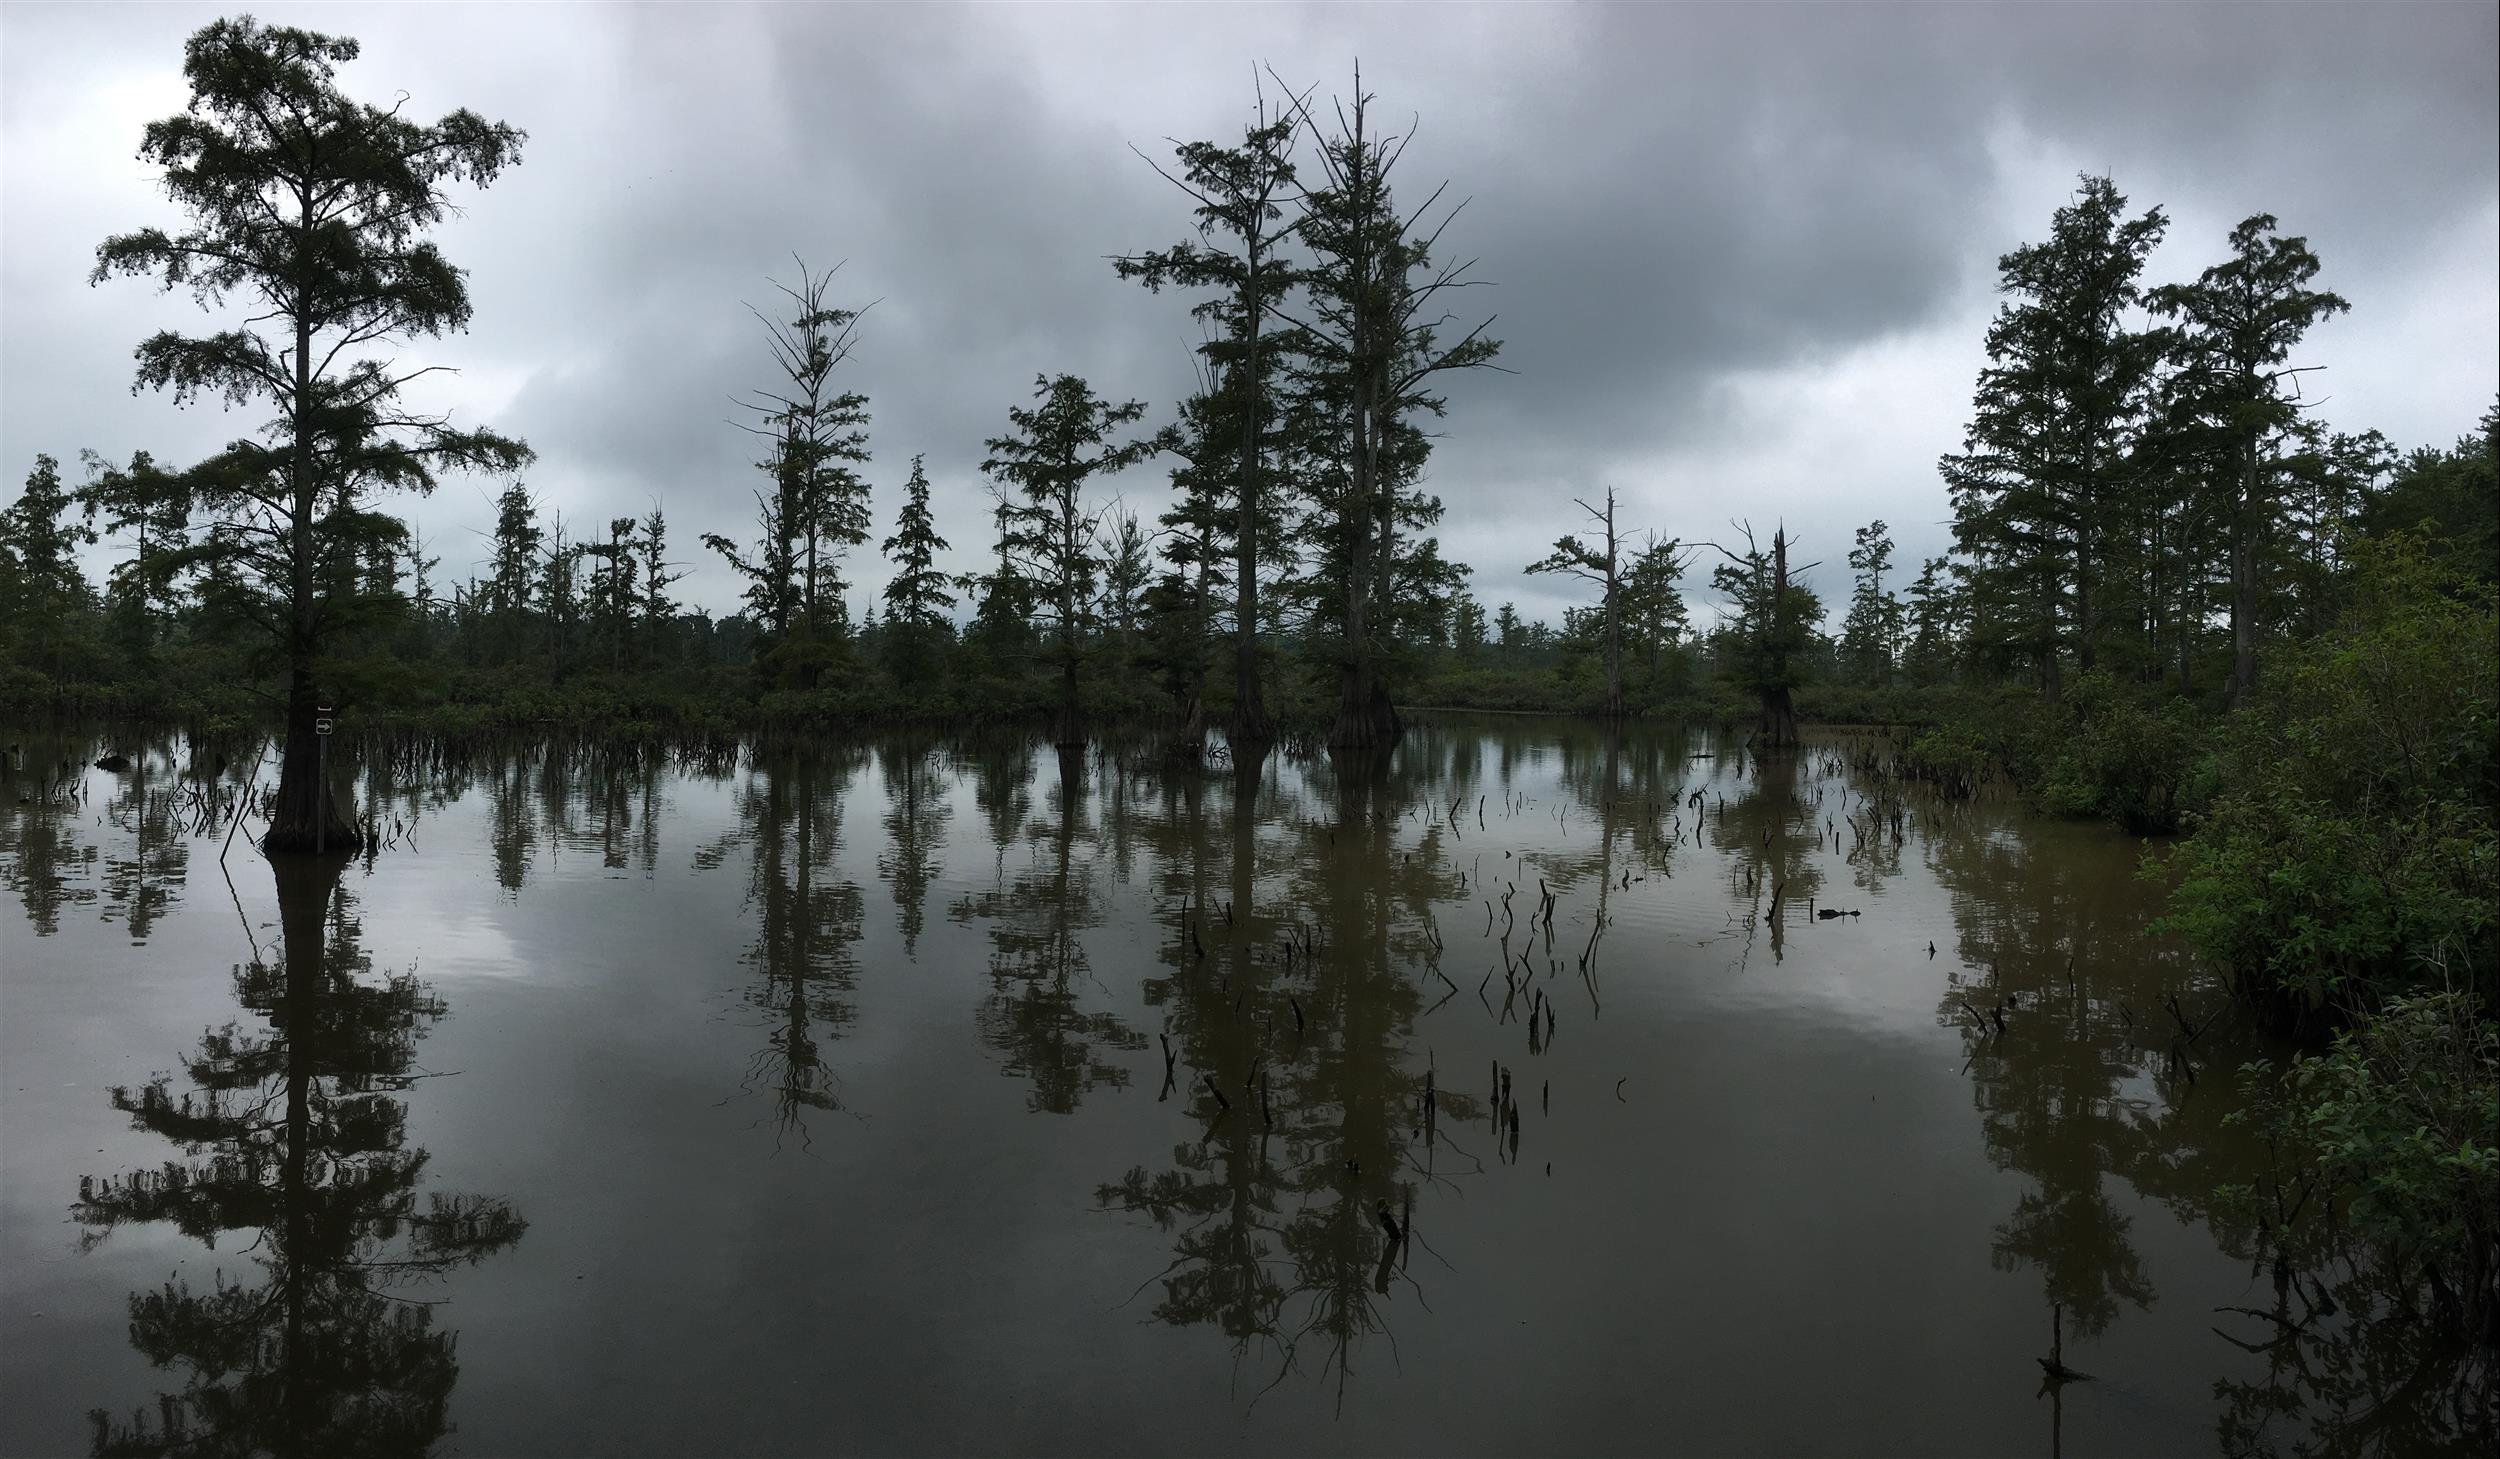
{"points": [[1036, 904], [807, 1098]]}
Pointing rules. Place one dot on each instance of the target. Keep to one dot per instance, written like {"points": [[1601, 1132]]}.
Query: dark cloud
{"points": [[1741, 256]]}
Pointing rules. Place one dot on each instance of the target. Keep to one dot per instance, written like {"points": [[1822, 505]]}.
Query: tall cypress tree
{"points": [[817, 509], [1239, 193], [1371, 337], [314, 208], [2237, 326], [1773, 623], [2047, 456]]}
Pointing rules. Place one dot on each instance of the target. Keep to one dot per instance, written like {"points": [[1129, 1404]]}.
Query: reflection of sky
{"points": [[1791, 1187]]}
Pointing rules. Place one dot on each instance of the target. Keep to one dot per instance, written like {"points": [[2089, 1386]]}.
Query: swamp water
{"points": [[908, 1097]]}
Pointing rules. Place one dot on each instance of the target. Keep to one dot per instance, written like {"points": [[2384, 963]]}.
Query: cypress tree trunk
{"points": [[306, 816], [1614, 660], [1779, 714], [1354, 728], [2050, 688], [1251, 724], [1383, 717], [1614, 618], [1779, 719], [1069, 731]]}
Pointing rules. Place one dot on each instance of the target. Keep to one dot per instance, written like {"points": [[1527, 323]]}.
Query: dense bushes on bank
{"points": [[2349, 847]]}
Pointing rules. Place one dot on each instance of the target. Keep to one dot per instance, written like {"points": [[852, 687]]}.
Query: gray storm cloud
{"points": [[1742, 256]]}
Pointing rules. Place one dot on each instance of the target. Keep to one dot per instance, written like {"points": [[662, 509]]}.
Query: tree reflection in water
{"points": [[807, 916], [1771, 830], [1292, 970], [293, 1132], [915, 827], [1290, 1040], [2089, 1083], [1035, 1016]]}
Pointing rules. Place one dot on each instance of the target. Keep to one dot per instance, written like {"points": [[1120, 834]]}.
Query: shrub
{"points": [[2398, 1123], [2354, 845], [2122, 760]]}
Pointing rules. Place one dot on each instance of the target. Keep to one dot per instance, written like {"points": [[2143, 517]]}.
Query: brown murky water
{"points": [[903, 1097]]}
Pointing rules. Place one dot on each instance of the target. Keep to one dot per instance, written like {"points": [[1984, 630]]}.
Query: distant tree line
{"points": [[2142, 491]]}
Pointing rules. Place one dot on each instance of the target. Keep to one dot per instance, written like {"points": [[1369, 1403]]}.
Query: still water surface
{"points": [[912, 1097]]}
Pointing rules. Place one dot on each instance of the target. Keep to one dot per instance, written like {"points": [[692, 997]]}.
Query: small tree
{"points": [[511, 590], [559, 595], [1509, 632], [314, 207], [1127, 565], [1467, 630], [613, 595], [1873, 628], [152, 507], [1773, 623], [917, 598], [1002, 617], [42, 592], [658, 610], [1932, 611], [1049, 536], [1654, 605], [1600, 564]]}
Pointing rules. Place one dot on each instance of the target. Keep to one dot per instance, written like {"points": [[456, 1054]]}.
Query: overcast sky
{"points": [[1743, 256]]}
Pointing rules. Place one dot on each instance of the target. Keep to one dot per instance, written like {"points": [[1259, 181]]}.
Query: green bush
{"points": [[2354, 845], [1950, 758], [2399, 1124], [2123, 760]]}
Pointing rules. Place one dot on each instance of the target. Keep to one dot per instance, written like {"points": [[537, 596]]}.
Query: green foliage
{"points": [[2123, 759], [314, 208], [1600, 563], [917, 596], [2352, 844], [2046, 462], [1049, 538], [1950, 758], [2451, 498], [42, 594], [1235, 425], [310, 211], [2234, 407], [1372, 342], [817, 508], [1871, 635], [2398, 1123]]}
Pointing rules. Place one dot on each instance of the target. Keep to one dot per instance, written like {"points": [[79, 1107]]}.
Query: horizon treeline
{"points": [[2142, 492]]}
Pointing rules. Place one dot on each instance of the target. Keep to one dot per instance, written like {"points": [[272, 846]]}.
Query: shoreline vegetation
{"points": [[2177, 602]]}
